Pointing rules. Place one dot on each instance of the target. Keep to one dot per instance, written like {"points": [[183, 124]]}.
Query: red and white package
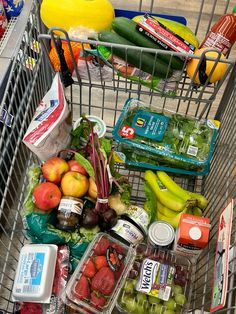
{"points": [[49, 130], [56, 305], [3, 19]]}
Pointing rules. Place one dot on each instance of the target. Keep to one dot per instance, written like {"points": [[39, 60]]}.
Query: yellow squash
{"points": [[92, 14]]}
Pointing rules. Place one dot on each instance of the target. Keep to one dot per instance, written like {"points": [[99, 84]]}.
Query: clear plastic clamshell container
{"points": [[159, 282], [97, 280]]}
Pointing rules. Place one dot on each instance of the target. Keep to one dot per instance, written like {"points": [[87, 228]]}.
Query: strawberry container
{"points": [[99, 276], [159, 282]]}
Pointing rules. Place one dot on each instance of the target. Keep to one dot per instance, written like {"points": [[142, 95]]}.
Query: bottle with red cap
{"points": [[222, 35]]}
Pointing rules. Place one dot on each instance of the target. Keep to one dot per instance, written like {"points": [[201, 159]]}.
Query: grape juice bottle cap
{"points": [[195, 233]]}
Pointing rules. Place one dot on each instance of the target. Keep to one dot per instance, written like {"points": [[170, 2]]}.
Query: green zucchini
{"points": [[127, 29], [143, 60]]}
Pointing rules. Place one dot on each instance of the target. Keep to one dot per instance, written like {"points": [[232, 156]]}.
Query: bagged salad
{"points": [[164, 140]]}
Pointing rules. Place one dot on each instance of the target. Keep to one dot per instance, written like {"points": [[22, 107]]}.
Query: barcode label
{"points": [[192, 150], [31, 289]]}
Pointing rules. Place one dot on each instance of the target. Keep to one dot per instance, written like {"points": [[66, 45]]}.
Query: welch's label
{"points": [[148, 275]]}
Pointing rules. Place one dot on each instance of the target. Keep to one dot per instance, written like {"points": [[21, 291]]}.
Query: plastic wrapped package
{"points": [[164, 140]]}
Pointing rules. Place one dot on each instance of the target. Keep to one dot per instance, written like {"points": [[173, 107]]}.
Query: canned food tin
{"points": [[139, 216], [161, 234], [69, 212], [127, 232]]}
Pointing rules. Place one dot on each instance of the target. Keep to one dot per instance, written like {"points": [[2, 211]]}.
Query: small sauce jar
{"points": [[127, 231], [161, 234], [69, 212]]}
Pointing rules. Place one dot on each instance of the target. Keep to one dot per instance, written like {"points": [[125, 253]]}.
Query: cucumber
{"points": [[127, 29], [143, 60]]}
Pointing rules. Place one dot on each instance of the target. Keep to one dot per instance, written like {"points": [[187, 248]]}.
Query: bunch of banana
{"points": [[173, 200]]}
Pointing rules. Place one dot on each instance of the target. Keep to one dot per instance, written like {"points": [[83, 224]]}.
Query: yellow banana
{"points": [[202, 202], [172, 186], [165, 197], [177, 190], [165, 211], [173, 221]]}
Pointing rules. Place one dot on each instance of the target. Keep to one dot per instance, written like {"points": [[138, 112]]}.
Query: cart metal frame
{"points": [[29, 77]]}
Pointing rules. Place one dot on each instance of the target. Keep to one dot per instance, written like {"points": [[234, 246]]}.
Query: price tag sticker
{"points": [[127, 131]]}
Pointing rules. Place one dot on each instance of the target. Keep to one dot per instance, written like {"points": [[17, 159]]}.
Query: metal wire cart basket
{"points": [[28, 77]]}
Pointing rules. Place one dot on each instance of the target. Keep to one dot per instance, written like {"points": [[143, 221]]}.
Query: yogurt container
{"points": [[161, 234], [35, 273], [126, 231]]}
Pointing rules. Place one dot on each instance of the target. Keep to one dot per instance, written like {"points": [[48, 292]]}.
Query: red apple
{"points": [[74, 184], [54, 168], [75, 166], [46, 195], [92, 191]]}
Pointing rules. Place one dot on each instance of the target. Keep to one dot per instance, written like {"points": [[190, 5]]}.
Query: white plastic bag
{"points": [[49, 130]]}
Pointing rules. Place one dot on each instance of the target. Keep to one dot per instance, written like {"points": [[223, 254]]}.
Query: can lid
{"points": [[195, 233], [161, 233]]}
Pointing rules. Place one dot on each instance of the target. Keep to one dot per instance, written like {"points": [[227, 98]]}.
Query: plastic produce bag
{"points": [[166, 86], [39, 225], [49, 130]]}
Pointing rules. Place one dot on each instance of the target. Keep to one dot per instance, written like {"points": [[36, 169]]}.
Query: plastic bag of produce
{"points": [[164, 140], [91, 67], [49, 130], [108, 63]]}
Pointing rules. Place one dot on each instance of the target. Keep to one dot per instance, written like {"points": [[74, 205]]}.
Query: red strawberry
{"points": [[81, 289], [100, 261], [89, 270], [104, 281], [118, 272], [97, 301], [101, 246], [118, 248]]}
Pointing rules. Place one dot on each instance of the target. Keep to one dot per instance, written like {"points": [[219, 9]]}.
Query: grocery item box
{"points": [[159, 139], [96, 282]]}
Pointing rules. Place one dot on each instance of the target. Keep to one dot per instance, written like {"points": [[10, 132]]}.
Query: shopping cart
{"points": [[29, 78]]}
